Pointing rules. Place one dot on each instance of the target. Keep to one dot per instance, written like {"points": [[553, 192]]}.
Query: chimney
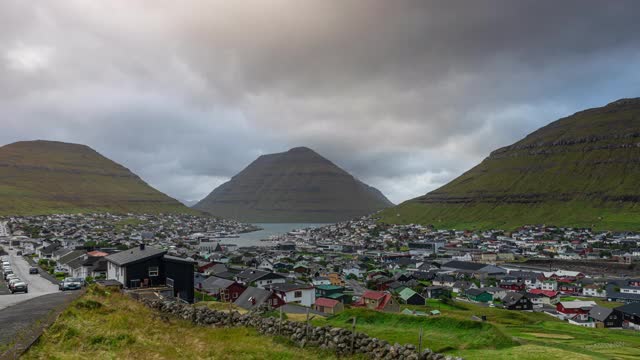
{"points": [[142, 246]]}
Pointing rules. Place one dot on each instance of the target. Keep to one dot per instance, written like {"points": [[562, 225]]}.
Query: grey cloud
{"points": [[405, 94]]}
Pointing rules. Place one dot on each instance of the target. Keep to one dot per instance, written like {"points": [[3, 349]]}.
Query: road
{"points": [[38, 286], [22, 323], [358, 289]]}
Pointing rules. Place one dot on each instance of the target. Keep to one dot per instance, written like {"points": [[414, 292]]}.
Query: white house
{"points": [[302, 294]]}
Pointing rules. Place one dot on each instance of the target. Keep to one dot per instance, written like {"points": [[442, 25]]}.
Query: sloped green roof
{"points": [[406, 293]]}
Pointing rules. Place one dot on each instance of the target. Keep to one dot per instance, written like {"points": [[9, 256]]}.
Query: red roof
{"points": [[326, 302], [547, 293], [373, 295]]}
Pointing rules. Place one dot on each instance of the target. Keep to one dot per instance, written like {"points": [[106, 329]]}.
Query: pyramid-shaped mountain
{"points": [[45, 177], [295, 186], [582, 170]]}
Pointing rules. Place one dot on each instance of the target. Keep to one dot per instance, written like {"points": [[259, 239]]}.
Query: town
{"points": [[585, 278]]}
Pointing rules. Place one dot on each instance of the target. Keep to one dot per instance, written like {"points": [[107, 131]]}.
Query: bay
{"points": [[268, 230]]}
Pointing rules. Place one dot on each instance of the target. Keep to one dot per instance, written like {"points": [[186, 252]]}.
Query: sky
{"points": [[405, 95]]}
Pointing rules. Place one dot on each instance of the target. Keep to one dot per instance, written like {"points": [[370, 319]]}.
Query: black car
{"points": [[33, 270]]}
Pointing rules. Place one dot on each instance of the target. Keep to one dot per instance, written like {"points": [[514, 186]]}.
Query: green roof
{"points": [[406, 293], [329, 287], [334, 296]]}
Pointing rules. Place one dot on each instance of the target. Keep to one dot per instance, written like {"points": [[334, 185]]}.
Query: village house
{"points": [[328, 306], [478, 295], [253, 298], [302, 294], [259, 278], [410, 297], [517, 301], [576, 309], [376, 300], [143, 267], [544, 297], [222, 289], [435, 292], [605, 317]]}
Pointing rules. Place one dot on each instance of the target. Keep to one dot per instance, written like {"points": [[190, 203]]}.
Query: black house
{"points": [[605, 317], [144, 267], [517, 301]]}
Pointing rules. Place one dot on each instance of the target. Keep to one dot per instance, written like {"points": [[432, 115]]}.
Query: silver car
{"points": [[19, 287]]}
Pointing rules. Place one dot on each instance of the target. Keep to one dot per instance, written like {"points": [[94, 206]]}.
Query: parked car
{"points": [[12, 282], [7, 273], [20, 287], [33, 270], [71, 284], [11, 277]]}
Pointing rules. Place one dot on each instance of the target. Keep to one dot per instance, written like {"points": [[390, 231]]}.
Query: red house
{"points": [[223, 289], [513, 285], [376, 300], [575, 307]]}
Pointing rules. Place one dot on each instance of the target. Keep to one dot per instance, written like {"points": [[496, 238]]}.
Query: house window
{"points": [[235, 295], [298, 294], [153, 271]]}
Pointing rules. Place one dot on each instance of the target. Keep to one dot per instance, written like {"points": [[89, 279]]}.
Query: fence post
{"points": [[420, 342], [280, 323], [353, 335], [306, 329]]}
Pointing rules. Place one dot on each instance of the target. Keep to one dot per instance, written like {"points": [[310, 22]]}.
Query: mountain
{"points": [[44, 177], [582, 170], [295, 186]]}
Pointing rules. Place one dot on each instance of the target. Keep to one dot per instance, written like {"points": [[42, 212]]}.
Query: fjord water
{"points": [[268, 230]]}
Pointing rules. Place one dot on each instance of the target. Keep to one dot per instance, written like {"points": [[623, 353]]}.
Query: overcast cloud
{"points": [[405, 95]]}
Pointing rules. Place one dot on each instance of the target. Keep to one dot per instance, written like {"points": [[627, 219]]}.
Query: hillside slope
{"points": [[43, 177], [295, 186], [582, 170]]}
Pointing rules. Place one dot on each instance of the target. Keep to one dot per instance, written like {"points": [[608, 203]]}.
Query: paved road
{"points": [[358, 289], [23, 321], [38, 286]]}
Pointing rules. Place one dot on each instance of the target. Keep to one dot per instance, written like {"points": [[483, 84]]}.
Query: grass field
{"points": [[505, 334], [113, 326]]}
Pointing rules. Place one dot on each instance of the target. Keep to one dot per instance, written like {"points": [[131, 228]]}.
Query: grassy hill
{"points": [[112, 326], [294, 186], [582, 170], [44, 177], [505, 335]]}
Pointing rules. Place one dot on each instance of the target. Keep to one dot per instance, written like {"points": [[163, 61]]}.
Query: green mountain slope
{"points": [[582, 170], [295, 186], [44, 177]]}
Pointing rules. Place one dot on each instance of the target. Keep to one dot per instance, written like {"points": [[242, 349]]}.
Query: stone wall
{"points": [[336, 340]]}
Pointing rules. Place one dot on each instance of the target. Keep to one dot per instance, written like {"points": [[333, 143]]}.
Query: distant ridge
{"points": [[294, 186], [582, 170], [44, 177]]}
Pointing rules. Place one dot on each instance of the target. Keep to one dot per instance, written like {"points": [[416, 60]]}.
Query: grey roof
{"points": [[214, 283], [289, 286], [71, 256], [76, 263], [179, 259], [251, 275], [600, 313], [511, 298], [134, 255], [260, 296]]}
